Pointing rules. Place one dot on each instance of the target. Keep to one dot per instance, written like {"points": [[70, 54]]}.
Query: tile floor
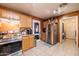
{"points": [[67, 48]]}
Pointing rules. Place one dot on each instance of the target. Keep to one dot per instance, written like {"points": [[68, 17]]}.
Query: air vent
{"points": [[63, 4]]}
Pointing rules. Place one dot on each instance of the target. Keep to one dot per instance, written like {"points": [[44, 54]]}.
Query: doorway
{"points": [[69, 29], [36, 29]]}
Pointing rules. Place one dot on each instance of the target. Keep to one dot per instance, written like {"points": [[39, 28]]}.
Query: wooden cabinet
{"points": [[27, 42], [43, 30], [45, 24], [29, 22], [5, 13], [23, 21], [26, 21], [43, 36], [32, 41], [9, 14], [0, 12]]}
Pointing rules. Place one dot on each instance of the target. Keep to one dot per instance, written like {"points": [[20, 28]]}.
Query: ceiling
{"points": [[41, 10]]}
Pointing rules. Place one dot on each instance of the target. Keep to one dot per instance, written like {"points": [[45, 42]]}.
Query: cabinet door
{"points": [[25, 43], [14, 15], [43, 36], [23, 21], [9, 14], [28, 22], [4, 13], [32, 41], [0, 12], [45, 24]]}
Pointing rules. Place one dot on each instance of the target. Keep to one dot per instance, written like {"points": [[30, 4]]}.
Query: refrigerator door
{"points": [[55, 34], [48, 34]]}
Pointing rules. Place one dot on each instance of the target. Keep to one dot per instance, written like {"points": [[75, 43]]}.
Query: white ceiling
{"points": [[41, 10]]}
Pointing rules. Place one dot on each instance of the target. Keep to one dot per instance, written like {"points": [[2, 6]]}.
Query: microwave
{"points": [[27, 31]]}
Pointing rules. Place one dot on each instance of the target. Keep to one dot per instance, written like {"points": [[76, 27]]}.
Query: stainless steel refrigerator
{"points": [[52, 29]]}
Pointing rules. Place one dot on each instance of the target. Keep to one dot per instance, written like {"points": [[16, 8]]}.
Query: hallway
{"points": [[67, 48]]}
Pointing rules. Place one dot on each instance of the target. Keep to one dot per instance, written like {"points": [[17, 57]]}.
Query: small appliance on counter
{"points": [[2, 34], [26, 31]]}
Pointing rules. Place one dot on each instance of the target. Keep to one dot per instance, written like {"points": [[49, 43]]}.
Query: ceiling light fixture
{"points": [[59, 9], [55, 11]]}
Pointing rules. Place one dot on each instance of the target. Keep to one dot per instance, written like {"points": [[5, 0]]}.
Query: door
{"points": [[73, 29], [48, 34], [70, 27]]}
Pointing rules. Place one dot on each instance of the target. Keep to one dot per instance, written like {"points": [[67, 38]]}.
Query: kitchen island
{"points": [[10, 46]]}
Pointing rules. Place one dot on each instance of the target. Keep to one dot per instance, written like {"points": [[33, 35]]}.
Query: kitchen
{"points": [[16, 32], [25, 30]]}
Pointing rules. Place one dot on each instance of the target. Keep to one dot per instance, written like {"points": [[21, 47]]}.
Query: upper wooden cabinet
{"points": [[26, 21], [0, 12], [9, 14]]}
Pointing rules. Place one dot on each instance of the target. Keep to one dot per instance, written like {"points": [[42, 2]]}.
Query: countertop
{"points": [[2, 41], [9, 41], [27, 35]]}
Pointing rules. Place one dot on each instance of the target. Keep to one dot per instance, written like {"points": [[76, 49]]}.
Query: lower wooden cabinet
{"points": [[25, 43], [32, 41], [28, 42]]}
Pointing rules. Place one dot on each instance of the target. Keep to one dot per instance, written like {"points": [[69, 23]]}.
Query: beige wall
{"points": [[70, 27]]}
